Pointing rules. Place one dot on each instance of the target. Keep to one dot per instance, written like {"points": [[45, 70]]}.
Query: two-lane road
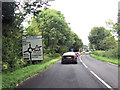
{"points": [[107, 71], [65, 76]]}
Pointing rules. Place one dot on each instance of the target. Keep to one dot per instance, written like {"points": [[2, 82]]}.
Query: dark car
{"points": [[69, 57]]}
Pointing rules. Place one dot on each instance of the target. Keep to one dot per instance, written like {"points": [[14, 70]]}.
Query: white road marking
{"points": [[80, 59], [85, 65], [102, 80], [108, 86]]}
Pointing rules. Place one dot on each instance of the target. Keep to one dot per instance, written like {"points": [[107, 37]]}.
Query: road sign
{"points": [[32, 48]]}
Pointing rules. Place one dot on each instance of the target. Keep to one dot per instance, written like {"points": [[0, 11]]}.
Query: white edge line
{"points": [[80, 59], [85, 65], [101, 80]]}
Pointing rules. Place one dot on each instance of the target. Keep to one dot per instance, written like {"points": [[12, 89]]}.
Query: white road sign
{"points": [[32, 48]]}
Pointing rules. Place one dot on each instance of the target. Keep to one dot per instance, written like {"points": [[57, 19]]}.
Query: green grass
{"points": [[11, 80], [114, 61]]}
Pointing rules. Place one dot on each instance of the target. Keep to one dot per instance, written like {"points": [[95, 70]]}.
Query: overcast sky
{"points": [[85, 14]]}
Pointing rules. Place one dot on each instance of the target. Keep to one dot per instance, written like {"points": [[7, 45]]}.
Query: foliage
{"points": [[12, 32], [111, 53], [114, 61], [33, 7], [113, 27], [13, 29], [85, 47], [57, 36], [77, 44], [98, 52], [91, 46], [8, 12], [101, 38], [12, 79], [108, 43]]}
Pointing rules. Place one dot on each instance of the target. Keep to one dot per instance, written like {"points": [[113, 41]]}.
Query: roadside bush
{"points": [[99, 52], [56, 55], [19, 64], [111, 53]]}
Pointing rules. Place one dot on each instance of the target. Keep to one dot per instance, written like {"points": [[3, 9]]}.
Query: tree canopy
{"points": [[101, 38], [12, 29], [57, 35]]}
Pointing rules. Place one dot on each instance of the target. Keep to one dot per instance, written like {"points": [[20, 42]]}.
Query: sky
{"points": [[83, 15]]}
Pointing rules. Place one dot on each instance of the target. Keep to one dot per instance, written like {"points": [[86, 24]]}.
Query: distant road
{"points": [[74, 75]]}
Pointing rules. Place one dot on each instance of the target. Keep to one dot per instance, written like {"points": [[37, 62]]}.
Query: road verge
{"points": [[13, 79], [113, 61]]}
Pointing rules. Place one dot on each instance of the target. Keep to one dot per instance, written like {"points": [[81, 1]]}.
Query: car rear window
{"points": [[69, 53]]}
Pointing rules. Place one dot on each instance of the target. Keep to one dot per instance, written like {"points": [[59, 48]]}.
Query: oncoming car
{"points": [[69, 57]]}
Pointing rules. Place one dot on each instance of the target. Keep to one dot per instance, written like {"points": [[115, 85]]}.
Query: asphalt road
{"points": [[107, 71], [72, 76]]}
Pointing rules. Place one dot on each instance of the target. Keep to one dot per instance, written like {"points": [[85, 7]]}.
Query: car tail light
{"points": [[76, 53], [74, 56], [62, 56]]}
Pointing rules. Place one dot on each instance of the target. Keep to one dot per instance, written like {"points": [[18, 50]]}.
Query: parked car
{"points": [[69, 57]]}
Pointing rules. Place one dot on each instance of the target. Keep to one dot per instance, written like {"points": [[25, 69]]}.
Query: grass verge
{"points": [[114, 61], [11, 80]]}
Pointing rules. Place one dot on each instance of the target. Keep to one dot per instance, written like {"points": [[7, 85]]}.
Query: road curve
{"points": [[108, 72], [64, 76]]}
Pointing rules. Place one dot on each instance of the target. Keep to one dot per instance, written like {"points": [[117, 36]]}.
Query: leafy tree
{"points": [[8, 12], [91, 46], [112, 27], [108, 43], [57, 36], [13, 29], [11, 34], [33, 7], [77, 44], [85, 47], [96, 35]]}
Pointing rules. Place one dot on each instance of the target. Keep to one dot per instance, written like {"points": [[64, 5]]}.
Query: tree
{"points": [[57, 36], [91, 46], [109, 43], [13, 29], [8, 12], [78, 42], [85, 47], [113, 27], [96, 35]]}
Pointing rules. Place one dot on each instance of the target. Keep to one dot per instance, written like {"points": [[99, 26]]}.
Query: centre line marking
{"points": [[108, 86]]}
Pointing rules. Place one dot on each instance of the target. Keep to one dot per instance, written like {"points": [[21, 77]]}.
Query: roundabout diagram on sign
{"points": [[32, 48]]}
